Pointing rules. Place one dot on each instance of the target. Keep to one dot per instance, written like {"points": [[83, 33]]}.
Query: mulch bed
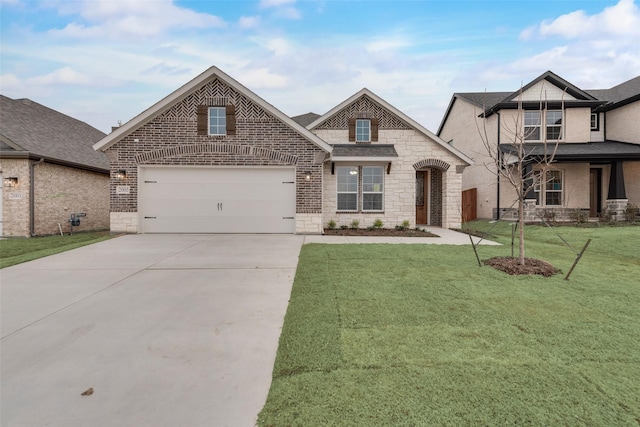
{"points": [[378, 232], [511, 265]]}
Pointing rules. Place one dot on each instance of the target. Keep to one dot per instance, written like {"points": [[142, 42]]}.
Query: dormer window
{"points": [[363, 130]]}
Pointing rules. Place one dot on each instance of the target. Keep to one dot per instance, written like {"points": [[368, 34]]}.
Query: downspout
{"points": [[32, 197], [498, 174]]}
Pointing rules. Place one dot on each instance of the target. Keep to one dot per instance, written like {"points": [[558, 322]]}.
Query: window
{"points": [[369, 189], [217, 121], [348, 188], [554, 125], [549, 189], [363, 130], [533, 125], [594, 121], [372, 188]]}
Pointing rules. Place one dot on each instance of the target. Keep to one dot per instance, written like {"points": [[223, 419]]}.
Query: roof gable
{"points": [[390, 117], [40, 131], [550, 86], [196, 88]]}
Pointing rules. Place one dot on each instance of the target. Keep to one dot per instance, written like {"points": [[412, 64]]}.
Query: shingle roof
{"points": [[618, 93], [484, 99], [610, 150], [364, 150], [305, 119], [41, 131]]}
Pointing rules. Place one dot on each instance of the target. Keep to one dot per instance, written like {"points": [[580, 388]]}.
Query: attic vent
{"points": [[363, 115]]}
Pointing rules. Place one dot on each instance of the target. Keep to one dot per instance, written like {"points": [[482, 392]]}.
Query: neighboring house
{"points": [[213, 157], [49, 171], [596, 167]]}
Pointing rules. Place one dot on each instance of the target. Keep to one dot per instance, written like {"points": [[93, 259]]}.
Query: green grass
{"points": [[15, 251], [419, 335]]}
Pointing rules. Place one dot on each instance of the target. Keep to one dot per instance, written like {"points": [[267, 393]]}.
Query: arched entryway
{"points": [[429, 176]]}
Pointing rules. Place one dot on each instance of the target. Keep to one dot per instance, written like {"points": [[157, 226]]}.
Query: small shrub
{"points": [[403, 226], [331, 225], [371, 228], [344, 227], [631, 212], [605, 217], [579, 216], [378, 223], [549, 215], [354, 224]]}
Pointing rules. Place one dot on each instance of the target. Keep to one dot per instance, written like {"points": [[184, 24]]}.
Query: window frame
{"points": [[534, 125], [594, 121], [379, 192], [348, 184], [221, 121], [362, 187], [543, 191], [363, 130]]}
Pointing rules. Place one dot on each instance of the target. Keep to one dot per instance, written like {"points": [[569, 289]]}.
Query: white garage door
{"points": [[217, 200]]}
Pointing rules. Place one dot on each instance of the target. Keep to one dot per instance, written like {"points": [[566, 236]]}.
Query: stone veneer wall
{"points": [[171, 139]]}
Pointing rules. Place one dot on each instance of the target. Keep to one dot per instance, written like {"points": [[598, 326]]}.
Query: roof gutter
{"points": [[32, 197]]}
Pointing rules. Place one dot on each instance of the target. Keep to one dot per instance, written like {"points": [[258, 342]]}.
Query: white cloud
{"points": [[124, 19], [275, 3], [262, 78], [622, 19], [248, 21], [386, 43]]}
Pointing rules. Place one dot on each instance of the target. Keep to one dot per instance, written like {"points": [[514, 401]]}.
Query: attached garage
{"points": [[202, 199]]}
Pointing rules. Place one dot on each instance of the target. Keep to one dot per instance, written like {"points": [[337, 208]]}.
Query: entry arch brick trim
{"points": [[432, 163]]}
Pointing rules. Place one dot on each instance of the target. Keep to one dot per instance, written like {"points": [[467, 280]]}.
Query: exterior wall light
{"points": [[307, 176], [121, 174], [10, 181]]}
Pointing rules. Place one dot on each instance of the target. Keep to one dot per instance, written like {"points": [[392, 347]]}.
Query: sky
{"points": [[105, 61]]}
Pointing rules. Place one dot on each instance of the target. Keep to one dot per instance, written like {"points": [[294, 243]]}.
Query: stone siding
{"points": [[172, 139], [15, 200]]}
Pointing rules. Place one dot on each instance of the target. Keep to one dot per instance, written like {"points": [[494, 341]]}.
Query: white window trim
{"points": [[541, 190], [224, 114], [597, 121], [360, 190], [368, 122], [543, 126]]}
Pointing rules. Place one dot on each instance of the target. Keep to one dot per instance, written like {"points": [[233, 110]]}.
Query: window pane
{"points": [[363, 128], [554, 181], [532, 125], [372, 179], [532, 133], [554, 124], [554, 199], [372, 202], [553, 132], [347, 201], [348, 179], [217, 121]]}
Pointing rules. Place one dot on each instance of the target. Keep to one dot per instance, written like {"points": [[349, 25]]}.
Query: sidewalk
{"points": [[446, 237]]}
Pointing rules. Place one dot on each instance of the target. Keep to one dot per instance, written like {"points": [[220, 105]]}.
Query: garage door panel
{"points": [[217, 200]]}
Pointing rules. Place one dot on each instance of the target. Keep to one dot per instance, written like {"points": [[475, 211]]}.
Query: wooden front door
{"points": [[595, 192], [422, 197]]}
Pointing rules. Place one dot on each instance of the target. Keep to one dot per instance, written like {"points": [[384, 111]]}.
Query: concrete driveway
{"points": [[168, 330]]}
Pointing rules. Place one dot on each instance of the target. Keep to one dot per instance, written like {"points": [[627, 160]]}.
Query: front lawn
{"points": [[17, 250], [419, 335]]}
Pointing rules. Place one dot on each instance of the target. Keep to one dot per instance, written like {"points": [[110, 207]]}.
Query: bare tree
{"points": [[522, 167]]}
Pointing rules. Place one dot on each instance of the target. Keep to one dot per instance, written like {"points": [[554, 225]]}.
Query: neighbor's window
{"points": [[594, 121], [372, 188], [548, 189], [217, 121], [363, 130], [347, 188], [532, 125], [554, 125]]}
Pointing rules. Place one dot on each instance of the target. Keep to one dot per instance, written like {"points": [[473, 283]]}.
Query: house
{"points": [[49, 171], [213, 157], [595, 135]]}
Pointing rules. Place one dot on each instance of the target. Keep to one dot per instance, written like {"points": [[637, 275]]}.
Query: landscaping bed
{"points": [[378, 232]]}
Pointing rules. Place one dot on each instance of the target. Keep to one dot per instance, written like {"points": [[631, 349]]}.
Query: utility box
{"points": [[74, 221]]}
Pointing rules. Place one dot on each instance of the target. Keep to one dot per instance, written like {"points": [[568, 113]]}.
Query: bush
{"points": [[579, 216], [331, 225], [631, 212], [378, 223], [605, 217], [354, 224], [404, 225]]}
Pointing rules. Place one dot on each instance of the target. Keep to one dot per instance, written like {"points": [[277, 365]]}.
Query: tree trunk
{"points": [[521, 225]]}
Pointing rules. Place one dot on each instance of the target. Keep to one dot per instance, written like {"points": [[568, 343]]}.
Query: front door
{"points": [[595, 192], [422, 197]]}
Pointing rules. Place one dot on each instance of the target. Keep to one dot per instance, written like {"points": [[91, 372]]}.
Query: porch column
{"points": [[617, 197]]}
